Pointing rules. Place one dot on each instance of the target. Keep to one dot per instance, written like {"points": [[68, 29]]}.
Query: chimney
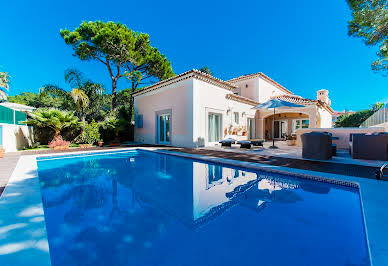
{"points": [[323, 96]]}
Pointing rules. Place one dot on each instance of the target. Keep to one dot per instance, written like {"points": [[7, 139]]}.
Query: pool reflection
{"points": [[129, 209]]}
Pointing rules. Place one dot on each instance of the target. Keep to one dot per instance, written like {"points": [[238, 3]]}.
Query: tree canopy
{"points": [[370, 23], [83, 96], [356, 119], [54, 119], [123, 52], [206, 70]]}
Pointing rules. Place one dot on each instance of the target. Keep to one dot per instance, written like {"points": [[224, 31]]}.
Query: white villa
{"points": [[194, 109]]}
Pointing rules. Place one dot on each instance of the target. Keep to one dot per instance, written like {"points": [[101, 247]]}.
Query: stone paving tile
{"points": [[326, 167]]}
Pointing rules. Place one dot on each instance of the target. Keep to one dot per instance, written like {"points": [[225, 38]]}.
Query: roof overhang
{"points": [[184, 76]]}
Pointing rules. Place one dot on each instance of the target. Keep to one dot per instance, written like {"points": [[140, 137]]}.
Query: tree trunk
{"points": [[131, 103], [114, 94]]}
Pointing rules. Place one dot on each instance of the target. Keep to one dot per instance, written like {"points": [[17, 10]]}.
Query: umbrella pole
{"points": [[273, 130]]}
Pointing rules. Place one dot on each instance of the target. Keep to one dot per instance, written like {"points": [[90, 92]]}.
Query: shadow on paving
{"points": [[326, 167]]}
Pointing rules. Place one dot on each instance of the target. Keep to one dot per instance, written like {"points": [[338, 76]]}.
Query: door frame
{"points": [[207, 126], [253, 120], [280, 128], [157, 114]]}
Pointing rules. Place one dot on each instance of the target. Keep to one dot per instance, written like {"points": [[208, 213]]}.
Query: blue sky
{"points": [[301, 44]]}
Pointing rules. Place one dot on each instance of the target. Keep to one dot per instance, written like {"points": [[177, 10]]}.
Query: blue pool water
{"points": [[144, 208]]}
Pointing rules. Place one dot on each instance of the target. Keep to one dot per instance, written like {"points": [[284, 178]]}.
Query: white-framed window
{"points": [[300, 123], [236, 118]]}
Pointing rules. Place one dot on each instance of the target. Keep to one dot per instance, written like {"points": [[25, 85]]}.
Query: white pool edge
{"points": [[372, 197]]}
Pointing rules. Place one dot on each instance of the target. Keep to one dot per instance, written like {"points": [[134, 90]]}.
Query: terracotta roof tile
{"points": [[194, 73], [300, 100], [241, 99], [263, 76]]}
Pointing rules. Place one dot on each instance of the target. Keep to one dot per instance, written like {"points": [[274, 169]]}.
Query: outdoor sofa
{"points": [[317, 145], [369, 146]]}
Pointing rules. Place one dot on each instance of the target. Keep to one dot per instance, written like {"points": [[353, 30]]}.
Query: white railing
{"points": [[379, 117]]}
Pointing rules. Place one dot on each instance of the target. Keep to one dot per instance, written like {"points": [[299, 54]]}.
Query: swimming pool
{"points": [[146, 208]]}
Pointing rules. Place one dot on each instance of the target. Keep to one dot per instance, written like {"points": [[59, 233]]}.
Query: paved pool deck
{"points": [[348, 169], [23, 239]]}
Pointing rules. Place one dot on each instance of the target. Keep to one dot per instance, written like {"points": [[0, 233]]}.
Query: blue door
{"points": [[1, 135]]}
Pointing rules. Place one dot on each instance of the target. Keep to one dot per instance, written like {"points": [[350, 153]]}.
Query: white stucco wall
{"points": [[248, 88], [16, 137], [267, 90], [176, 97], [326, 119], [209, 98], [258, 89]]}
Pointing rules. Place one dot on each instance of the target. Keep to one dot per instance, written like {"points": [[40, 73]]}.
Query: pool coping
{"points": [[22, 221]]}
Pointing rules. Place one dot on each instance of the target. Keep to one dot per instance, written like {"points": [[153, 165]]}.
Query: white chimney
{"points": [[323, 96]]}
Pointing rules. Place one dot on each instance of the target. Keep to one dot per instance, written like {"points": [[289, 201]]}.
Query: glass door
{"points": [[214, 127], [251, 128], [164, 128], [280, 129]]}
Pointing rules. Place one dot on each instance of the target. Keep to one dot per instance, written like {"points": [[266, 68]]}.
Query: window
{"points": [[300, 123], [305, 123], [236, 118]]}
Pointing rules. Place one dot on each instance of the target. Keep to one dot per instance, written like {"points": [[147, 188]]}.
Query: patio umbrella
{"points": [[276, 103]]}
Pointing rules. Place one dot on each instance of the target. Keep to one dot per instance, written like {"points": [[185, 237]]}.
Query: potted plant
{"points": [[90, 135], [291, 140], [230, 129], [244, 131], [58, 143], [100, 143], [2, 151]]}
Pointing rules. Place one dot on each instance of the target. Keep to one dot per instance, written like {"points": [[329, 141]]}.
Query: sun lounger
{"points": [[227, 142], [245, 144], [257, 142]]}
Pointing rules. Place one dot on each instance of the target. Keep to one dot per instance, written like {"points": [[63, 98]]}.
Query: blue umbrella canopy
{"points": [[276, 103]]}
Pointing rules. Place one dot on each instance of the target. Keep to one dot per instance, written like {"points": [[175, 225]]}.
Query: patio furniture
{"points": [[370, 146], [246, 144], [227, 142], [333, 146], [257, 142], [273, 104], [316, 145], [351, 141]]}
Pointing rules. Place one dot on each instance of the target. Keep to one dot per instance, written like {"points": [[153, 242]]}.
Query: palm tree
{"points": [[4, 85], [55, 119], [82, 92]]}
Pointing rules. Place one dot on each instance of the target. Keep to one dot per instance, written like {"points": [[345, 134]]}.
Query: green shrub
{"points": [[91, 133]]}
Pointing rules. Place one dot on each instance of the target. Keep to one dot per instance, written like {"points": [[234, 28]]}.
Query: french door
{"points": [[280, 129], [214, 127], [251, 128], [164, 125]]}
